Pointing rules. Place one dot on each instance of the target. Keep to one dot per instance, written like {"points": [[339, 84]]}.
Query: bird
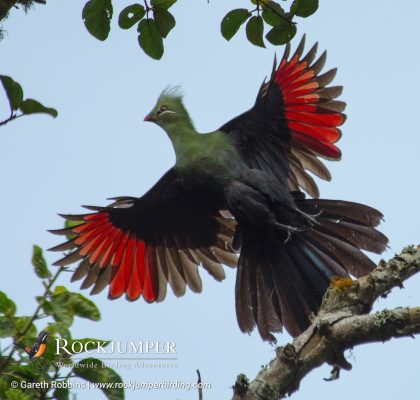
{"points": [[244, 197], [38, 348]]}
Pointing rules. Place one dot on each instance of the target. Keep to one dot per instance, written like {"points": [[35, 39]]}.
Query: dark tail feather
{"points": [[344, 229], [282, 284]]}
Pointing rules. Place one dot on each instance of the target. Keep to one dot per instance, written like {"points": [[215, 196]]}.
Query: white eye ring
{"points": [[162, 109], [165, 112]]}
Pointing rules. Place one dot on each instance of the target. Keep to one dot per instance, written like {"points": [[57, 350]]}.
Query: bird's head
{"points": [[169, 108]]}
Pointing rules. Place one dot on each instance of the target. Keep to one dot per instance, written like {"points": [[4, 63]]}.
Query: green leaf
{"points": [[97, 16], [165, 21], [83, 307], [281, 33], [163, 3], [272, 13], [13, 90], [92, 370], [255, 30], [6, 328], [31, 106], [7, 306], [10, 326], [59, 328], [45, 304], [17, 394], [262, 3], [59, 306], [24, 371], [61, 393], [131, 15], [60, 289], [21, 324], [64, 305], [38, 261], [150, 39], [232, 21], [304, 8]]}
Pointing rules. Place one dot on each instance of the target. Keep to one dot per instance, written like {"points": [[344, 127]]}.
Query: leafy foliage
{"points": [[267, 14], [97, 15], [232, 21], [14, 94], [31, 106], [304, 8], [13, 90], [56, 311], [255, 31], [165, 21], [131, 15], [150, 38], [39, 263], [281, 34], [155, 21]]}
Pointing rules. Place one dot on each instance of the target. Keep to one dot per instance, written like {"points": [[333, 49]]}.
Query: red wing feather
{"points": [[121, 279], [135, 286], [305, 106], [317, 146], [118, 245]]}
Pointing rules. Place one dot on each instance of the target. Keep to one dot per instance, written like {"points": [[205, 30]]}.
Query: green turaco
{"points": [[235, 197]]}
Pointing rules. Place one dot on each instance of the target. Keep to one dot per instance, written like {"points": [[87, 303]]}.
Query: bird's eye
{"points": [[162, 109]]}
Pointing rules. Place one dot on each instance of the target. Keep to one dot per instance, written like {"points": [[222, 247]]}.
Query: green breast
{"points": [[209, 154]]}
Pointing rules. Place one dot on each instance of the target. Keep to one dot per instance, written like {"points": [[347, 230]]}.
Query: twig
{"points": [[200, 389], [342, 323], [11, 118]]}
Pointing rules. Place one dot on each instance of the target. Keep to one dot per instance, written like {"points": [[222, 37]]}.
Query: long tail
{"points": [[281, 283]]}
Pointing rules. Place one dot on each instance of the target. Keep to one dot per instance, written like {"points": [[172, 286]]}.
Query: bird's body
{"points": [[238, 190]]}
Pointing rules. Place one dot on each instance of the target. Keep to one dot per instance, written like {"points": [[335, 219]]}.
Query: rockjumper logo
{"points": [[114, 347]]}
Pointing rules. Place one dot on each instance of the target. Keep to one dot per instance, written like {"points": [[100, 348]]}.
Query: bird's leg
{"points": [[288, 227]]}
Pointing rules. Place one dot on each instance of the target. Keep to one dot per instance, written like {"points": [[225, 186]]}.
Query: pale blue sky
{"points": [[99, 147]]}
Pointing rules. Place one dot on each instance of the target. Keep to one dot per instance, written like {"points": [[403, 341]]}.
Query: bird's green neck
{"points": [[199, 153], [183, 137], [185, 140]]}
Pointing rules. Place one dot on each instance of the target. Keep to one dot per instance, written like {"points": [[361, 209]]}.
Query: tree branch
{"points": [[11, 118], [342, 323]]}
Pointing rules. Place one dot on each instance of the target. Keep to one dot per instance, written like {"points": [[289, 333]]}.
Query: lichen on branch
{"points": [[343, 322]]}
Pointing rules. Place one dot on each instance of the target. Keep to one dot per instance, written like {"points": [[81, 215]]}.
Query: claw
{"points": [[289, 229], [312, 218], [289, 236]]}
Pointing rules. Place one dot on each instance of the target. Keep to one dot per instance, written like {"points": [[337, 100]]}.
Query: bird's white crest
{"points": [[173, 91]]}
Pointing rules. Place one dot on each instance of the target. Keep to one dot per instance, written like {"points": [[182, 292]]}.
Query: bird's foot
{"points": [[311, 218], [289, 229]]}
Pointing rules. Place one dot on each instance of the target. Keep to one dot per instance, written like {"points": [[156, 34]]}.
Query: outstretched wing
{"points": [[138, 245], [294, 121]]}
